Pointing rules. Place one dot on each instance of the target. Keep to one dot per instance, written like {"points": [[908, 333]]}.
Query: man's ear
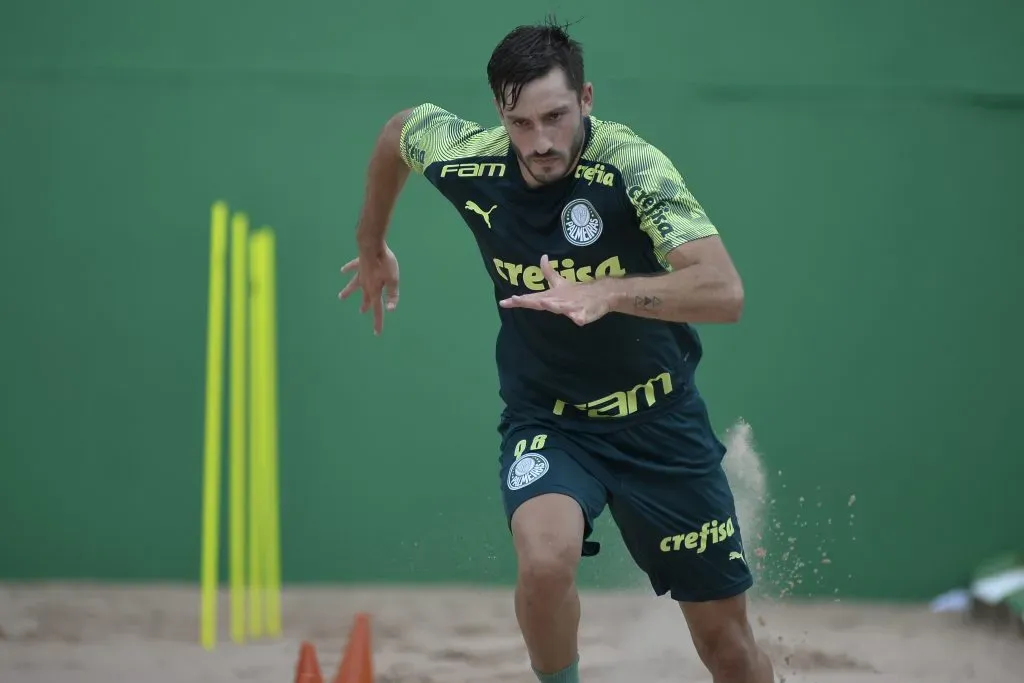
{"points": [[587, 99]]}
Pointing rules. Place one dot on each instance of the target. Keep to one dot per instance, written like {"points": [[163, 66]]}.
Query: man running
{"points": [[601, 259]]}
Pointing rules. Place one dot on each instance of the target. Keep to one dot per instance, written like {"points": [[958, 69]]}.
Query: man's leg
{"points": [[677, 515], [551, 502], [721, 633], [701, 564], [548, 533]]}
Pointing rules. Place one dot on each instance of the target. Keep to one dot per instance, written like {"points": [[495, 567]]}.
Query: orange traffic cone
{"points": [[308, 668], [357, 661]]}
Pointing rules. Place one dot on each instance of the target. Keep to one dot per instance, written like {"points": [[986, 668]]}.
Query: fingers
{"points": [[367, 301], [372, 294], [535, 302], [391, 295], [374, 303], [550, 274], [352, 286], [378, 315], [518, 302]]}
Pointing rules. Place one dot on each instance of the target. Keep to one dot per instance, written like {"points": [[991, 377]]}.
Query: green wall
{"points": [[861, 162]]}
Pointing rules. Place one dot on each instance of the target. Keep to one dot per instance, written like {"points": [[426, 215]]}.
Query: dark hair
{"points": [[531, 52]]}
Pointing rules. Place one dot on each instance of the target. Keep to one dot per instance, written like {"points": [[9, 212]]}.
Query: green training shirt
{"points": [[619, 213]]}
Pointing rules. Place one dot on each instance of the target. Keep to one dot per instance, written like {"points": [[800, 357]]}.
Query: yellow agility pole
{"points": [[212, 441], [257, 422], [237, 425], [264, 561], [253, 494], [273, 538]]}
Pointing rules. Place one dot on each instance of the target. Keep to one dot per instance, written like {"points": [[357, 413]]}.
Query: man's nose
{"points": [[543, 147]]}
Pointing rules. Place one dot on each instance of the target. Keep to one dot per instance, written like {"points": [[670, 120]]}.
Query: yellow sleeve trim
{"points": [[431, 134], [666, 209]]}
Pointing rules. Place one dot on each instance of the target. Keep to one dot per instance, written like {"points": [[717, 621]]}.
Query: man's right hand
{"points": [[376, 273]]}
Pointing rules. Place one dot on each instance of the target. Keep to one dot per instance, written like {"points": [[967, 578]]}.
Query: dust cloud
{"points": [[655, 646], [749, 483]]}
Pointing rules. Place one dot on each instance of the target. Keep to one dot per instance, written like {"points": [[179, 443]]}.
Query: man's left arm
{"points": [[702, 287], [701, 284]]}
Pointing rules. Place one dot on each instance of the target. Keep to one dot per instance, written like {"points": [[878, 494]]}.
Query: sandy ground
{"points": [[89, 634]]}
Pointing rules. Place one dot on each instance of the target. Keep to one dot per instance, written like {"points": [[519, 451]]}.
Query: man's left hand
{"points": [[581, 302]]}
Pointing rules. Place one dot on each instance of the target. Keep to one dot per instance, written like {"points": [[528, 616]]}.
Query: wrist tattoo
{"points": [[647, 303]]}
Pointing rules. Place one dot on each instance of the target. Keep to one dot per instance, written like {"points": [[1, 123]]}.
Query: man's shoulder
{"points": [[433, 134], [617, 145]]}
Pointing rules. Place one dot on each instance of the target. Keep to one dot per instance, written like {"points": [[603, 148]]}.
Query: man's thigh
{"points": [[535, 460], [675, 508], [683, 532]]}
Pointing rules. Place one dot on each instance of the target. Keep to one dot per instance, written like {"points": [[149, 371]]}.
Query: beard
{"points": [[566, 158]]}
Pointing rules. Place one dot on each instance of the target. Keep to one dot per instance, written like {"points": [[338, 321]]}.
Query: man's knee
{"points": [[723, 638], [731, 654], [548, 534]]}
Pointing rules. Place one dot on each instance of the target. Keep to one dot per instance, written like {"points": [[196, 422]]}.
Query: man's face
{"points": [[546, 127]]}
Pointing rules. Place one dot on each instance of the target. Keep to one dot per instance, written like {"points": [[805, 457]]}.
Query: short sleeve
{"points": [[665, 208], [432, 134]]}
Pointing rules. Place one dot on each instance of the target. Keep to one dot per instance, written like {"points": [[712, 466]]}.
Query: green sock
{"points": [[570, 674]]}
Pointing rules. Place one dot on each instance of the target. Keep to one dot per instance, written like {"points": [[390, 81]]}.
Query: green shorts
{"points": [[663, 481]]}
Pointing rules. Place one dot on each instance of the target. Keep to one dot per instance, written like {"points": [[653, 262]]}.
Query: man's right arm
{"points": [[411, 140], [385, 178]]}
